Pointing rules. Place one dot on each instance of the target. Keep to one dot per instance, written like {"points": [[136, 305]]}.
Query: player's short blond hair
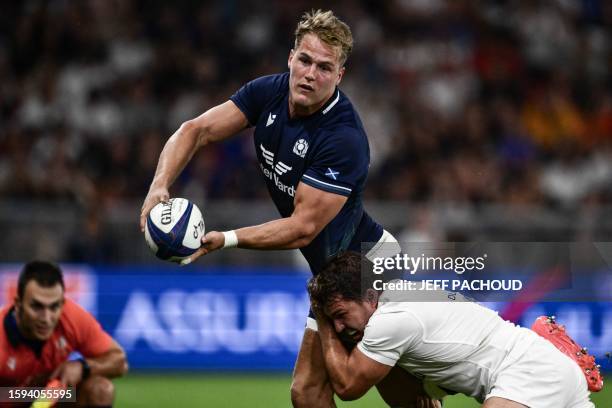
{"points": [[329, 28]]}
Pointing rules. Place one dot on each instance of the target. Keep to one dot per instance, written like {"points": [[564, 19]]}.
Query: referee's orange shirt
{"points": [[24, 362]]}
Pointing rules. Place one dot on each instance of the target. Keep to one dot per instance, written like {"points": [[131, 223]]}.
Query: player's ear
{"points": [[291, 54], [371, 296], [340, 75]]}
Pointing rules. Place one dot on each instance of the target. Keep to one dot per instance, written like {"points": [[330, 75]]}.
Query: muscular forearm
{"points": [[336, 357], [110, 365], [284, 233], [313, 210], [176, 154]]}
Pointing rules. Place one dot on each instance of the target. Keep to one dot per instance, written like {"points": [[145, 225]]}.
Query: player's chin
{"points": [[304, 98], [301, 101], [43, 334]]}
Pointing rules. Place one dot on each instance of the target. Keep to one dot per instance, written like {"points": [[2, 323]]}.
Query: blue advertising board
{"points": [[224, 321], [240, 319]]}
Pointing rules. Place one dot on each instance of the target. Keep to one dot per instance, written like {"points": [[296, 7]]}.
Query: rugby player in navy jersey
{"points": [[314, 156]]}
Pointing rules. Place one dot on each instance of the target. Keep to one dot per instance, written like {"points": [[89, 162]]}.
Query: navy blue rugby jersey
{"points": [[327, 150]]}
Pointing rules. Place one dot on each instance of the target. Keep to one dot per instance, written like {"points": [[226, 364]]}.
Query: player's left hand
{"points": [[212, 241], [317, 310], [69, 373]]}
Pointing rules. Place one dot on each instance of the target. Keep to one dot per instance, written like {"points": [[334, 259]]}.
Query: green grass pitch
{"points": [[177, 390]]}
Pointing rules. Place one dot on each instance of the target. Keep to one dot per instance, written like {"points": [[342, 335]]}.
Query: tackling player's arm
{"points": [[214, 125], [351, 374], [313, 210], [112, 363]]}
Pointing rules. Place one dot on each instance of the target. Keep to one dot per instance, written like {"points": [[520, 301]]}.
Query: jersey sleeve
{"points": [[252, 98], [89, 338], [340, 164], [389, 335]]}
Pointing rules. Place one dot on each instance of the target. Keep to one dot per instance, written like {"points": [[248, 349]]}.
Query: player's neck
{"points": [[20, 329]]}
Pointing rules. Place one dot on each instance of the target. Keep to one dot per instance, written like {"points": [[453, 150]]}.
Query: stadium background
{"points": [[487, 121]]}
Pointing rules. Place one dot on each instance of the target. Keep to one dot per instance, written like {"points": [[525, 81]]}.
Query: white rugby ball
{"points": [[174, 229]]}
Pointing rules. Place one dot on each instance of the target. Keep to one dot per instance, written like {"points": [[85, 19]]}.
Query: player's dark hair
{"points": [[341, 277], [46, 274]]}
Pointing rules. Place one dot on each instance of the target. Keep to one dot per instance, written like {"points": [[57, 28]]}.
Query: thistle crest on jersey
{"points": [[300, 148]]}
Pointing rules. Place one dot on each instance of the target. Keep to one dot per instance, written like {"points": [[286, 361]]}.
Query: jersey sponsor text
{"points": [[289, 190]]}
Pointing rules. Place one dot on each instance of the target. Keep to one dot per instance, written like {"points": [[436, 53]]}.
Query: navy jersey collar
{"points": [[15, 337], [331, 102]]}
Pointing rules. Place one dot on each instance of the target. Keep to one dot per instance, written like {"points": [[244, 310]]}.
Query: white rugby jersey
{"points": [[457, 345]]}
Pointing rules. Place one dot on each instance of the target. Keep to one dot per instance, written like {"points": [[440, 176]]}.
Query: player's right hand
{"points": [[69, 373], [212, 241], [155, 196]]}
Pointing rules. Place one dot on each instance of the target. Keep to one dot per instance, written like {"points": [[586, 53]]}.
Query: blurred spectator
{"points": [[89, 243], [421, 227]]}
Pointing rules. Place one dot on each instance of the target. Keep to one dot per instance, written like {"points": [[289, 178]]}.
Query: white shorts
{"points": [[387, 246], [543, 377]]}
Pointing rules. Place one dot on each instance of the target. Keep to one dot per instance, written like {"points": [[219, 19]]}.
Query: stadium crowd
{"points": [[472, 102]]}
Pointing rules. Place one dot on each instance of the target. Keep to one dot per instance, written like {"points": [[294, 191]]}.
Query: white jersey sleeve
{"points": [[389, 335]]}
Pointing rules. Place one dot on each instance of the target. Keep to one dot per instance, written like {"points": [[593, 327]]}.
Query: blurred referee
{"points": [[42, 328]]}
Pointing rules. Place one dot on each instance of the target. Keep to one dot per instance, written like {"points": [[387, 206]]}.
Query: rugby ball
{"points": [[174, 229]]}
